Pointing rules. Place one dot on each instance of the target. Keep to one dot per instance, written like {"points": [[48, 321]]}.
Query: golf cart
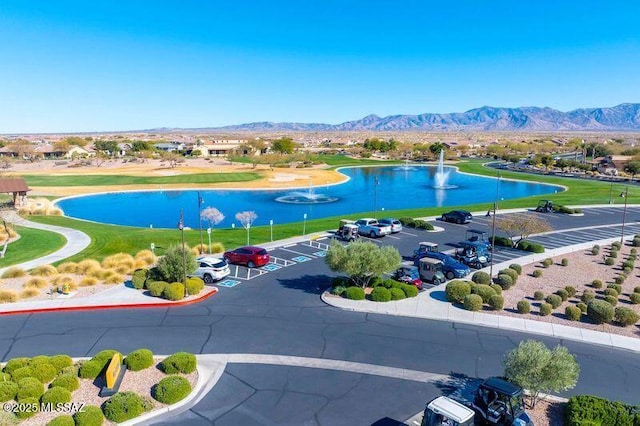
{"points": [[347, 231], [474, 254], [475, 235], [430, 270], [425, 247], [444, 411], [409, 274], [545, 206]]}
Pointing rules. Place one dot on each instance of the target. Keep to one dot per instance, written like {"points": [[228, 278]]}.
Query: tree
{"points": [[246, 218], [547, 161], [171, 265], [138, 146], [362, 260], [62, 146], [633, 167], [520, 226], [284, 145], [109, 147], [173, 158], [435, 148], [562, 163], [76, 140], [538, 369], [212, 215], [100, 158]]}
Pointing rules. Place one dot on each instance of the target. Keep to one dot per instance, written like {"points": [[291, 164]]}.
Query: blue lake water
{"points": [[396, 189]]}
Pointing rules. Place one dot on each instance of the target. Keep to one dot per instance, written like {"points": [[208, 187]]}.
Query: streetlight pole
{"points": [[624, 212], [304, 224], [184, 253], [493, 227], [248, 228], [200, 201], [611, 193], [209, 234], [271, 229], [375, 197]]}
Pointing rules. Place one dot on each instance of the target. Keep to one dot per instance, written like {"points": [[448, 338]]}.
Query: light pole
{"points": [[611, 193], [248, 228], [493, 228], [271, 229], [184, 253], [304, 224], [209, 234], [624, 194], [375, 197], [200, 201]]}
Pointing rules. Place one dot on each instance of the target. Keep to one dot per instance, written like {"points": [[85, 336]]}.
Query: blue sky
{"points": [[73, 66]]}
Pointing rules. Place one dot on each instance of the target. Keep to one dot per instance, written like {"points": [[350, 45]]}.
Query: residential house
{"points": [[612, 164], [170, 146]]}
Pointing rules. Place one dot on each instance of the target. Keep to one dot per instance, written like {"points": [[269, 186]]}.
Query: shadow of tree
{"points": [[313, 284], [386, 421]]}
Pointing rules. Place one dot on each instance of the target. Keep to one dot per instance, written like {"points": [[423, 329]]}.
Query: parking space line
{"points": [[408, 233], [295, 252], [391, 236]]}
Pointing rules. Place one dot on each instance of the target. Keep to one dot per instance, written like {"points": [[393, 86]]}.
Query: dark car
{"points": [[457, 216], [249, 255]]}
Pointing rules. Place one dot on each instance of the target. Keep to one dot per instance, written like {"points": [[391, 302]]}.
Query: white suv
{"points": [[211, 269]]}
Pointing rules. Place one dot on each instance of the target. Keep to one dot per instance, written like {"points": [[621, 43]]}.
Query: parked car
{"points": [[211, 269], [457, 216], [395, 224], [371, 228], [450, 267], [251, 256]]}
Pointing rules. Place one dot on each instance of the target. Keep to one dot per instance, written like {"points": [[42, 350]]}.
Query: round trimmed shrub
{"points": [[595, 250], [381, 294], [90, 416], [15, 363], [409, 290], [582, 307], [524, 307], [90, 369], [480, 277], [173, 291], [472, 302], [616, 244], [564, 262], [627, 270], [511, 272], [613, 254], [611, 292], [600, 312], [35, 408], [505, 281], [573, 313], [8, 391], [496, 302], [124, 406], [60, 361], [619, 279], [139, 360], [496, 288], [340, 281], [612, 300], [616, 287], [171, 389], [609, 261], [554, 300], [516, 267], [30, 387], [457, 290], [105, 355], [156, 288], [66, 381], [139, 277], [626, 316], [44, 372], [21, 373], [635, 298], [564, 294], [545, 309], [355, 293], [397, 294], [547, 262], [538, 295], [338, 290], [484, 291], [587, 297], [194, 285], [40, 359], [5, 377], [596, 284], [635, 290], [571, 291], [180, 362], [537, 273], [62, 421], [56, 395]]}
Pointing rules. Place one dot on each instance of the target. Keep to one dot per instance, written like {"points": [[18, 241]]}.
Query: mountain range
{"points": [[624, 117]]}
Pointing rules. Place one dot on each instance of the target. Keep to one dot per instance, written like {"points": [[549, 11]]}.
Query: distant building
{"points": [[612, 164], [170, 146]]}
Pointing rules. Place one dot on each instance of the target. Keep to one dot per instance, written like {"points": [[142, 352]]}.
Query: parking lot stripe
{"points": [[295, 252], [408, 233]]}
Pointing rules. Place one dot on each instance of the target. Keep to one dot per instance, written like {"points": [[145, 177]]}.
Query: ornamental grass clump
{"points": [[87, 265], [68, 268], [44, 271], [36, 282], [14, 272], [146, 256], [88, 282], [8, 296], [112, 277], [29, 293]]}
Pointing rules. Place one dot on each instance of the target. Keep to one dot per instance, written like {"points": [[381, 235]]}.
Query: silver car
{"points": [[395, 224]]}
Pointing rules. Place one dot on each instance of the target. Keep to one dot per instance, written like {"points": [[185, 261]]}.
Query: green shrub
{"points": [[582, 307], [587, 410], [484, 291], [340, 281], [635, 298], [628, 264], [609, 261], [633, 252], [609, 291], [180, 362], [171, 265], [34, 408], [44, 372], [90, 416], [338, 290], [381, 294], [627, 270], [375, 281], [124, 406], [456, 290], [472, 302], [30, 387], [90, 370], [516, 267], [60, 361], [595, 250], [139, 360], [554, 300], [501, 241], [39, 359], [587, 297], [537, 273], [524, 307], [56, 395], [612, 300], [635, 242], [194, 285], [8, 391], [480, 277], [511, 272], [156, 288], [355, 293], [538, 295], [625, 316], [545, 309], [105, 356], [571, 291], [596, 284], [173, 291], [66, 381], [139, 278], [21, 373], [409, 290], [600, 312], [5, 377], [496, 288], [496, 302], [505, 281], [616, 244], [635, 290], [407, 221], [547, 262], [573, 313], [171, 389], [564, 295], [397, 294], [613, 254], [62, 421], [564, 262], [619, 279], [15, 363], [423, 224], [530, 247]]}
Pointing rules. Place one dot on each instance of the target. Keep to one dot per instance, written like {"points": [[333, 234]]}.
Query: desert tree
{"points": [[362, 260], [520, 226], [246, 218]]}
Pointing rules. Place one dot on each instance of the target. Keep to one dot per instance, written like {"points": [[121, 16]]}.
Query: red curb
{"points": [[103, 307]]}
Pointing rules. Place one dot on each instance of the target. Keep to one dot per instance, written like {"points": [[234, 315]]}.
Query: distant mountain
{"points": [[625, 117]]}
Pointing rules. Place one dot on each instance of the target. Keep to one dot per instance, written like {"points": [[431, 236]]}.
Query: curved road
{"points": [[281, 313]]}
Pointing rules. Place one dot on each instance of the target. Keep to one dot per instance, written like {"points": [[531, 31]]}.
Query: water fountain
{"points": [[306, 197], [442, 175], [405, 168]]}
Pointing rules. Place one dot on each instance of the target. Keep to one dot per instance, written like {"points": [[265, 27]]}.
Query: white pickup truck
{"points": [[371, 228]]}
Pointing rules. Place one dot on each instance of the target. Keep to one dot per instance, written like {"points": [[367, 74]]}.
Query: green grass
{"points": [[342, 160], [32, 243], [94, 180]]}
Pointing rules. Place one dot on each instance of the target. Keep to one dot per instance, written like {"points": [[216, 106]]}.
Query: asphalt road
{"points": [[280, 312]]}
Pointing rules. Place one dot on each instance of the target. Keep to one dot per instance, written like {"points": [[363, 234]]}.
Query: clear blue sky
{"points": [[101, 65]]}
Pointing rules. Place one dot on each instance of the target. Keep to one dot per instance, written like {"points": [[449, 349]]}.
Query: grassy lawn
{"points": [[93, 180], [32, 243]]}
